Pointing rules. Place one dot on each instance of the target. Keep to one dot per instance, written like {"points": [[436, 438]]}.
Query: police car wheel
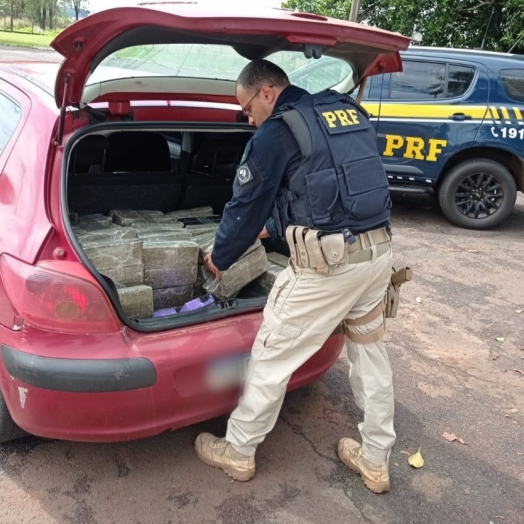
{"points": [[8, 429], [478, 194]]}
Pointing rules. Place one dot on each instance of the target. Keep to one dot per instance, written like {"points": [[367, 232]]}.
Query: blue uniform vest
{"points": [[341, 183]]}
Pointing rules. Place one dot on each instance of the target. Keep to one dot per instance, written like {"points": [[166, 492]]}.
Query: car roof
{"points": [[450, 52]]}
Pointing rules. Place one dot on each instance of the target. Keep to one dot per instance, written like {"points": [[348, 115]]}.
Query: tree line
{"points": [[46, 14], [496, 25]]}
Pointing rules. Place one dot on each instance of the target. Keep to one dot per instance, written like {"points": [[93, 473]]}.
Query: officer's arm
{"points": [[254, 192]]}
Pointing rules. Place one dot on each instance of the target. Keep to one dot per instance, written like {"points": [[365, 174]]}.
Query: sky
{"points": [[243, 5]]}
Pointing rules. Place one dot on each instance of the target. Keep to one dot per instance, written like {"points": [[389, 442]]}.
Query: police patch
{"points": [[246, 152], [244, 175]]}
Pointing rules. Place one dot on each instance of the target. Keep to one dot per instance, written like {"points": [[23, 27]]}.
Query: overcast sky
{"points": [[243, 5]]}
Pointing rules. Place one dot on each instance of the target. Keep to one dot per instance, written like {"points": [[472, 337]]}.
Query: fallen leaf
{"points": [[406, 452], [519, 371], [418, 299], [416, 460], [452, 437], [500, 339], [519, 310], [472, 250]]}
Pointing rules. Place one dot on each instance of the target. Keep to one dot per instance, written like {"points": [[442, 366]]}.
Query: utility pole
{"points": [[353, 14]]}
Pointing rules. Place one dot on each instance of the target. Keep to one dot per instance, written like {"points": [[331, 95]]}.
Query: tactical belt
{"points": [[310, 249]]}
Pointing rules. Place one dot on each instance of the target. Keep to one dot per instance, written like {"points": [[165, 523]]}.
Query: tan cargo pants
{"points": [[303, 309]]}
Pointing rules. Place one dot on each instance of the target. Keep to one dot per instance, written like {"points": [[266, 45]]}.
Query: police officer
{"points": [[311, 175]]}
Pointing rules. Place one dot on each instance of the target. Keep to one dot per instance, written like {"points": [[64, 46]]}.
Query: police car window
{"points": [[10, 114], [459, 80], [513, 83], [419, 81]]}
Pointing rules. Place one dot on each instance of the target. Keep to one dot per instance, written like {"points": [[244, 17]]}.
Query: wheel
{"points": [[478, 194], [8, 429]]}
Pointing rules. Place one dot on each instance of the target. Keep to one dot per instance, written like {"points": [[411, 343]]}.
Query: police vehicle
{"points": [[450, 124]]}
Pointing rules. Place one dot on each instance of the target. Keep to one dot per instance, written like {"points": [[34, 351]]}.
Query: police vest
{"points": [[341, 182]]}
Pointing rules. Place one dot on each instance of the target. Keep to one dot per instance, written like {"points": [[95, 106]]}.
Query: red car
{"points": [[142, 115]]}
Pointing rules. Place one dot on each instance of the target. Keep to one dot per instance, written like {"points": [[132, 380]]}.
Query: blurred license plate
{"points": [[227, 372]]}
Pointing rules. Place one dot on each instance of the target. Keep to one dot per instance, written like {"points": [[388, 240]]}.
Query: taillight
{"points": [[56, 301]]}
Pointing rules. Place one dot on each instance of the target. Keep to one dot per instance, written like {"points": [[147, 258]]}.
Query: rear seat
{"points": [[135, 174], [210, 182]]}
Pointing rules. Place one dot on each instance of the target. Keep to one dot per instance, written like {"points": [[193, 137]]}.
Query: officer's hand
{"points": [[264, 233], [209, 262]]}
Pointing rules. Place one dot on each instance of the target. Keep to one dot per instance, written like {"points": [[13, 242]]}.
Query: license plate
{"points": [[227, 372]]}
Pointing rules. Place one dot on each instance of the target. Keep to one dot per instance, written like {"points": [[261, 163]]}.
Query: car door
{"points": [[428, 112]]}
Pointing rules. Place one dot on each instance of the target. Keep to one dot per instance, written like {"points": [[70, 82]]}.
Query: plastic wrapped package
{"points": [[111, 254], [110, 234], [267, 279], [125, 275], [137, 301], [195, 212], [278, 259], [197, 303], [159, 254], [242, 272], [172, 296], [177, 275], [128, 217]]}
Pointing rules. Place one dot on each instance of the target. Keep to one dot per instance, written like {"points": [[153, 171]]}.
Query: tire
{"points": [[8, 429], [478, 194]]}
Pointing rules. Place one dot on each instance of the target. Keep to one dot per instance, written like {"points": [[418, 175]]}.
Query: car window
{"points": [[513, 83], [219, 62], [419, 81], [459, 80], [10, 114]]}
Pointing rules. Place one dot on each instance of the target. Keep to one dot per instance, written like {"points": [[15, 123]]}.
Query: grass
{"points": [[25, 40]]}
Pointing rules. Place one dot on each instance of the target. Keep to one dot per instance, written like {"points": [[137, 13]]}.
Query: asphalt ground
{"points": [[451, 374]]}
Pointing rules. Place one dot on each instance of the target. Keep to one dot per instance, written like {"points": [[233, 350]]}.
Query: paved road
{"points": [[451, 375], [20, 54]]}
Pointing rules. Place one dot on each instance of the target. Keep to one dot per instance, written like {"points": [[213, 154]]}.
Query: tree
{"points": [[79, 5], [491, 24]]}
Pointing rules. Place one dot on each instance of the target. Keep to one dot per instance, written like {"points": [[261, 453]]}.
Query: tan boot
{"points": [[374, 474], [219, 453]]}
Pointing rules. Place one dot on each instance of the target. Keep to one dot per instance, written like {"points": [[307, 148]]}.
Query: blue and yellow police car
{"points": [[451, 123]]}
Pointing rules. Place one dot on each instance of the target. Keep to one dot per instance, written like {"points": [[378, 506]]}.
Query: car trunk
{"points": [[144, 206]]}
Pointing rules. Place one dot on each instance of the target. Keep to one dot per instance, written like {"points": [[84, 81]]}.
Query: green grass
{"points": [[25, 40]]}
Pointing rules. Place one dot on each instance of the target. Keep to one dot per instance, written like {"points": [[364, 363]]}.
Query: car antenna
{"points": [[485, 34]]}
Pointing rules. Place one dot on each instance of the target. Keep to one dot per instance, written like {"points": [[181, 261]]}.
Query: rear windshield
{"points": [[513, 82], [216, 62]]}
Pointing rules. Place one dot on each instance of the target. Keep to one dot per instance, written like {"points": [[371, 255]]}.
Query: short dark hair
{"points": [[262, 72]]}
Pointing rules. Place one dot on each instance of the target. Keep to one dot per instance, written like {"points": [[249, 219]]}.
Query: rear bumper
{"points": [[152, 385], [81, 375]]}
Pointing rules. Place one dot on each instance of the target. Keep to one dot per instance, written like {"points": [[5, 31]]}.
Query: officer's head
{"points": [[258, 87]]}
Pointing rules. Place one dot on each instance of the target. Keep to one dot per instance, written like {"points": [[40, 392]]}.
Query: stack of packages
{"points": [[156, 260], [116, 252]]}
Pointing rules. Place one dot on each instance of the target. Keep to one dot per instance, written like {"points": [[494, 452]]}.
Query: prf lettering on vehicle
{"points": [[414, 147]]}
